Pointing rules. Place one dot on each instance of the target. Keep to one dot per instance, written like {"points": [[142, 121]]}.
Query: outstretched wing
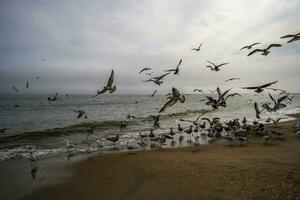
{"points": [[211, 63], [256, 107], [268, 84], [245, 47], [169, 103], [272, 98], [282, 98], [180, 61], [111, 79], [256, 43], [162, 76], [232, 95], [100, 92], [175, 92], [287, 36], [255, 51], [222, 64], [273, 45]]}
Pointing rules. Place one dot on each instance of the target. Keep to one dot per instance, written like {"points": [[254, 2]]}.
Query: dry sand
{"points": [[215, 171]]}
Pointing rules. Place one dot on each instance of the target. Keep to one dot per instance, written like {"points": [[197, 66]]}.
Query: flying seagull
{"points": [[145, 69], [215, 67], [54, 98], [265, 51], [14, 88], [38, 77], [157, 80], [176, 96], [197, 90], [152, 95], [257, 111], [231, 79], [109, 87], [197, 49], [176, 70], [27, 85], [294, 37], [259, 89], [249, 46]]}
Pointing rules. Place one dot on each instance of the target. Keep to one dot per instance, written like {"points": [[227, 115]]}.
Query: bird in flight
{"points": [[109, 87], [27, 85], [215, 67], [197, 90], [265, 51], [54, 98], [152, 95], [250, 46], [145, 69], [197, 49], [231, 79], [157, 80], [176, 69], [15, 89], [294, 37], [176, 96], [259, 89], [38, 77], [257, 111], [81, 113]]}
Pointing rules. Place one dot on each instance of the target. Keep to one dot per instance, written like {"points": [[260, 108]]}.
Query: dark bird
{"points": [[113, 138], [81, 114], [250, 46], [257, 111], [259, 89], [294, 37], [176, 96], [278, 104], [152, 95], [197, 90], [265, 51], [176, 70], [179, 128], [155, 120], [14, 88], [54, 98], [109, 87], [275, 121], [38, 77], [145, 69], [231, 79], [215, 67], [157, 80], [149, 74], [27, 85], [197, 49]]}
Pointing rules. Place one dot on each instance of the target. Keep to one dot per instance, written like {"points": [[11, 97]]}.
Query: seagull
{"points": [[54, 98], [14, 88], [215, 67], [38, 77], [197, 90], [259, 89], [145, 69], [257, 111], [130, 146], [109, 87], [176, 96], [294, 37], [231, 79], [276, 89], [250, 46], [149, 74], [277, 103], [81, 114], [27, 85], [152, 95], [197, 49], [157, 80], [113, 138], [176, 70], [195, 122], [265, 51], [212, 91]]}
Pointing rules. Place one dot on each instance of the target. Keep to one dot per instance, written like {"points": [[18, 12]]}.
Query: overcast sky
{"points": [[74, 45]]}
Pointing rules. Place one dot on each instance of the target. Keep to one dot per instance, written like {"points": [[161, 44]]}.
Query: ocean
{"points": [[33, 123]]}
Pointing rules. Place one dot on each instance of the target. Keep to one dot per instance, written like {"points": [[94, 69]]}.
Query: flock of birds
{"points": [[208, 129]]}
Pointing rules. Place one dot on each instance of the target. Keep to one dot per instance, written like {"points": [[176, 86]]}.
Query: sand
{"points": [[215, 171]]}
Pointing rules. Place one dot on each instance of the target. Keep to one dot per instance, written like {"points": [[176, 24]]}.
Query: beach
{"points": [[214, 171]]}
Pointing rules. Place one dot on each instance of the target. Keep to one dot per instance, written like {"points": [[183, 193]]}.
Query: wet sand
{"points": [[216, 171]]}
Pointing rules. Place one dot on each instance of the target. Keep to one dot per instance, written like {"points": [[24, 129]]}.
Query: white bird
{"points": [[109, 87]]}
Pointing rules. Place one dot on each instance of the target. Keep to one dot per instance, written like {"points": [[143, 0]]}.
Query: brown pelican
{"points": [[257, 111], [81, 114], [157, 80], [176, 96], [259, 89], [265, 51], [109, 87], [27, 85], [14, 88], [231, 79], [294, 37], [152, 95], [176, 70], [145, 69], [197, 49], [250, 46], [215, 67]]}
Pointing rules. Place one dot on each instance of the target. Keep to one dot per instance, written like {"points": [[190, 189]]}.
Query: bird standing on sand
{"points": [[294, 37], [250, 46], [259, 89], [265, 51], [215, 67], [109, 87], [176, 96], [197, 49], [176, 70]]}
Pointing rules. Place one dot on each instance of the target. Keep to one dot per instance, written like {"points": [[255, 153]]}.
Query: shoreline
{"points": [[215, 171]]}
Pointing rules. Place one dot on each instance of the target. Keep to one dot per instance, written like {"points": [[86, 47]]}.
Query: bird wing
{"points": [[268, 84], [211, 63], [111, 79], [175, 92], [282, 98], [80, 114], [101, 92], [162, 76], [256, 107], [153, 93], [272, 98], [200, 46], [254, 44], [223, 64], [255, 51], [287, 36], [273, 45], [181, 98], [180, 61], [169, 103], [204, 118], [245, 47], [210, 67], [219, 91], [55, 96], [232, 95], [225, 93], [145, 69]]}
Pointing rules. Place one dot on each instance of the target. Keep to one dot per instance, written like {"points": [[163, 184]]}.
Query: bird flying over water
{"points": [[152, 95], [109, 87], [14, 88], [176, 70], [265, 51], [145, 69], [157, 80], [27, 85], [259, 89], [197, 49], [294, 37], [176, 96], [250, 46], [215, 67], [197, 90], [231, 79], [257, 111], [54, 98], [81, 113]]}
